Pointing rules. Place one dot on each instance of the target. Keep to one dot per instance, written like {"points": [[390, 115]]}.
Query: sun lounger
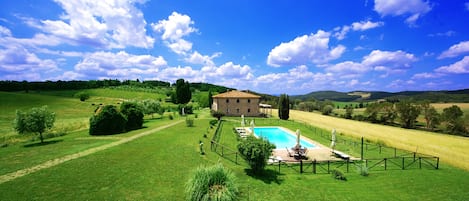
{"points": [[341, 154]]}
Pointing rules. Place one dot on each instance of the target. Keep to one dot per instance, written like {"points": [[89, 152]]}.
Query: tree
{"points": [[82, 95], [348, 112], [327, 110], [183, 92], [212, 183], [107, 120], [36, 120], [256, 151], [210, 99], [432, 118], [388, 112], [284, 107], [407, 113], [152, 106], [217, 114], [453, 118], [133, 112]]}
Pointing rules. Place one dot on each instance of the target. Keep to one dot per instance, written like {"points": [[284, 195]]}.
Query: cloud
{"points": [[17, 63], [396, 60], [121, 65], [467, 6], [341, 32], [455, 50], [312, 48], [174, 29], [460, 67], [108, 24], [4, 31], [412, 9], [447, 34], [197, 58], [348, 69], [427, 75], [362, 26]]}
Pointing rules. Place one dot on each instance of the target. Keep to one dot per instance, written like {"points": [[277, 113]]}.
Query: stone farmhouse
{"points": [[237, 103]]}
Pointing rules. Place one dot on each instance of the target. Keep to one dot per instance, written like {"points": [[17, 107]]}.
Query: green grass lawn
{"points": [[156, 167]]}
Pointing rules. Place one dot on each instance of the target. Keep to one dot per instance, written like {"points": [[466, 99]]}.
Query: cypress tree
{"points": [[284, 107]]}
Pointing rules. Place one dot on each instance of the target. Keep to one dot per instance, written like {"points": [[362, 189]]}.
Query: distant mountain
{"points": [[432, 96]]}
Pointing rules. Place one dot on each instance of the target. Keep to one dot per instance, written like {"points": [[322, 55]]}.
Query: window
{"points": [[249, 100], [249, 110], [237, 100], [237, 110], [227, 100]]}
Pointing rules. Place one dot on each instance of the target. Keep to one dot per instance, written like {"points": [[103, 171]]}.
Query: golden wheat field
{"points": [[453, 150]]}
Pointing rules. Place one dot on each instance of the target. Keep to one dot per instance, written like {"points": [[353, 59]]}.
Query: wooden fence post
{"points": [[328, 167], [385, 164], [301, 166], [403, 163], [314, 166], [420, 162], [279, 167], [348, 164], [437, 162]]}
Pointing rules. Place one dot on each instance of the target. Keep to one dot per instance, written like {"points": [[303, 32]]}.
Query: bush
{"points": [[82, 95], [107, 120], [213, 122], [188, 109], [170, 116], [255, 151], [337, 174], [189, 121], [217, 114], [363, 169], [212, 183], [134, 115], [327, 110]]}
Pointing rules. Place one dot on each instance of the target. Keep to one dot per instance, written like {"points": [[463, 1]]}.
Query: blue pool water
{"points": [[280, 137]]}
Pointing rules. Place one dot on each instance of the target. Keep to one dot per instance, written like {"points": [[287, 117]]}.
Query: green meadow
{"points": [[157, 166]]}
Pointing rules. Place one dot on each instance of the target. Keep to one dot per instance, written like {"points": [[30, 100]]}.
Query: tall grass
{"points": [[212, 183]]}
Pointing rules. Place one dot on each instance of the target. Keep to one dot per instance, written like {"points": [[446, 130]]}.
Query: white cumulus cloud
{"points": [[174, 29], [455, 50], [341, 32], [18, 63], [460, 67], [412, 9], [397, 59], [312, 48], [121, 65], [109, 24]]}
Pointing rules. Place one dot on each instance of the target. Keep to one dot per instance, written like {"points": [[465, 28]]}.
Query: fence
{"points": [[373, 156]]}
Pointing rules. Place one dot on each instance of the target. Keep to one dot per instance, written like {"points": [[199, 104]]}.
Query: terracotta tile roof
{"points": [[236, 94]]}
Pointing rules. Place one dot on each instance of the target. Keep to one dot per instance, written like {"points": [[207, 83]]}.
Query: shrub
{"points": [[327, 110], [133, 112], [337, 174], [363, 169], [107, 120], [255, 151], [189, 121], [212, 183], [82, 95], [213, 122], [170, 116], [217, 114], [188, 109]]}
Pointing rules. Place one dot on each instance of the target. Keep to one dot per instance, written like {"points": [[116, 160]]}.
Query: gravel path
{"points": [[10, 176]]}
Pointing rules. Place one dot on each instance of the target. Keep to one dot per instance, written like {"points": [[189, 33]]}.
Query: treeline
{"points": [[75, 85]]}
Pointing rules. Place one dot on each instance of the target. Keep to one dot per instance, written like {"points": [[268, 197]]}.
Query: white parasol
{"points": [[333, 139], [298, 136]]}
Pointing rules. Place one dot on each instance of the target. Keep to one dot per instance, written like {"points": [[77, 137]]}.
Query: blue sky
{"points": [[292, 47]]}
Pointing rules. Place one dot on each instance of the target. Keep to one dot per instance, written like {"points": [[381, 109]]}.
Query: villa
{"points": [[237, 103]]}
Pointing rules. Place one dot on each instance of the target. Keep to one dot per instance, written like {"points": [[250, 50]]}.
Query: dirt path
{"points": [[10, 176]]}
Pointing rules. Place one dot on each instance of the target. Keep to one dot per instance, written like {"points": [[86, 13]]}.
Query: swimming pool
{"points": [[281, 137]]}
